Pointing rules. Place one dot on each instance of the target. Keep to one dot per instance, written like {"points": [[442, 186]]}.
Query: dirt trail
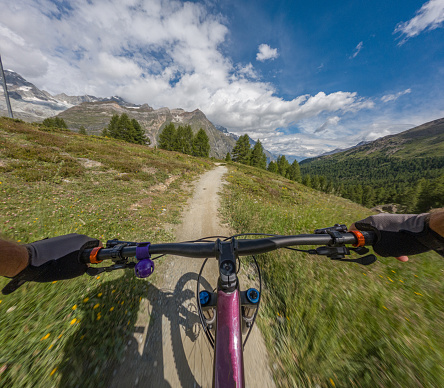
{"points": [[169, 348]]}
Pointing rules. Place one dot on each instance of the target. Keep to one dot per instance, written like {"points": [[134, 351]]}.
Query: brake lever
{"points": [[365, 260], [92, 271]]}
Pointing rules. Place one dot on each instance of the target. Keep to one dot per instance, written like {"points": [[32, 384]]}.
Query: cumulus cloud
{"points": [[358, 48], [160, 52], [247, 71], [266, 52], [429, 17], [394, 97], [331, 121]]}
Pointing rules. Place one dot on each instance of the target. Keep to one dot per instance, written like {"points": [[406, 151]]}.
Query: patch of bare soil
{"points": [[169, 348]]}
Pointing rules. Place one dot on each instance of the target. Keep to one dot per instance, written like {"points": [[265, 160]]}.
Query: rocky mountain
{"points": [[337, 150], [426, 140], [95, 116], [268, 154], [33, 105], [29, 103]]}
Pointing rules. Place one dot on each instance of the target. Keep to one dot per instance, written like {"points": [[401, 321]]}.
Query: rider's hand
{"points": [[400, 235], [53, 259]]}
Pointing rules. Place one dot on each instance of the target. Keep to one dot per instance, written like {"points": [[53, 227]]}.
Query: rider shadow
{"points": [[129, 325]]}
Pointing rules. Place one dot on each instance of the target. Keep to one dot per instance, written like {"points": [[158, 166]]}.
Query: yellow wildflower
{"points": [[74, 307], [73, 321], [417, 293], [85, 300], [53, 371], [45, 337], [96, 305], [111, 309], [332, 383], [99, 295]]}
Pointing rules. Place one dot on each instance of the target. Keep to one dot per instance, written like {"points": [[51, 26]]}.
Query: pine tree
{"points": [[228, 157], [368, 196], [82, 130], [201, 144], [283, 165], [306, 180], [54, 122], [315, 182], [113, 130], [167, 138], [241, 151], [125, 129], [139, 133], [184, 140], [294, 172], [258, 158], [272, 167], [60, 123]]}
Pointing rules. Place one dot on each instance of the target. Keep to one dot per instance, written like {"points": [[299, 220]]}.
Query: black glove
{"points": [[52, 259], [402, 234]]}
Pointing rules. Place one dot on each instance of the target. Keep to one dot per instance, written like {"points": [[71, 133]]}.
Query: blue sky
{"points": [[304, 77]]}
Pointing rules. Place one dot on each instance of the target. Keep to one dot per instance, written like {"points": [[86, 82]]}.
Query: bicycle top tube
{"points": [[243, 247]]}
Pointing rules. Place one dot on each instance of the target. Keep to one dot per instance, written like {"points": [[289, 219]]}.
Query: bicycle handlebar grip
{"points": [[370, 238]]}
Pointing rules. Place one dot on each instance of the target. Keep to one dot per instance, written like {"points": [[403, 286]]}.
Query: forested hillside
{"points": [[406, 169]]}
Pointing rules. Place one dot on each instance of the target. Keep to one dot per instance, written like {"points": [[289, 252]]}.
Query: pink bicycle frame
{"points": [[228, 353]]}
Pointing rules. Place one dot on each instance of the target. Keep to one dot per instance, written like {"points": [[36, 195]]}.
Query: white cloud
{"points": [[429, 17], [247, 71], [331, 121], [266, 52], [394, 97], [358, 48], [160, 52]]}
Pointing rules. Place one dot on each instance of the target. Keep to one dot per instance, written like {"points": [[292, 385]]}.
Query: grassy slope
{"points": [[324, 322], [426, 140], [330, 323], [71, 332]]}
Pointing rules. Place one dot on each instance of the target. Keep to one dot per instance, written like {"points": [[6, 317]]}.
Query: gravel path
{"points": [[169, 348]]}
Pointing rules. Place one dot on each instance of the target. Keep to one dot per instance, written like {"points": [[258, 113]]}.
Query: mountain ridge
{"points": [[31, 104], [421, 141]]}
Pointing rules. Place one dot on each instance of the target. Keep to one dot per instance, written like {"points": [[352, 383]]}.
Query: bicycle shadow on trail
{"points": [[130, 325]]}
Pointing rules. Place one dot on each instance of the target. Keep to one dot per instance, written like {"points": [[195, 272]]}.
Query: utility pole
{"points": [[8, 103]]}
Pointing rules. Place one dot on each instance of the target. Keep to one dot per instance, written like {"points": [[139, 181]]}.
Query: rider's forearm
{"points": [[436, 222], [13, 258]]}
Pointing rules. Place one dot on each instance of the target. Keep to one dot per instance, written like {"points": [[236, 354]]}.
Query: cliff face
{"points": [[95, 116], [31, 104]]}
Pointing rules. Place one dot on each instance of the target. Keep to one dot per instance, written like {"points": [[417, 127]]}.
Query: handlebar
{"points": [[244, 247]]}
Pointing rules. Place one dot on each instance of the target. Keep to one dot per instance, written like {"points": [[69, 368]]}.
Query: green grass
{"points": [[72, 333], [330, 323]]}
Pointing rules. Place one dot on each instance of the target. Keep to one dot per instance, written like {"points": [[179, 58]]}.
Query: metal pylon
{"points": [[8, 103]]}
